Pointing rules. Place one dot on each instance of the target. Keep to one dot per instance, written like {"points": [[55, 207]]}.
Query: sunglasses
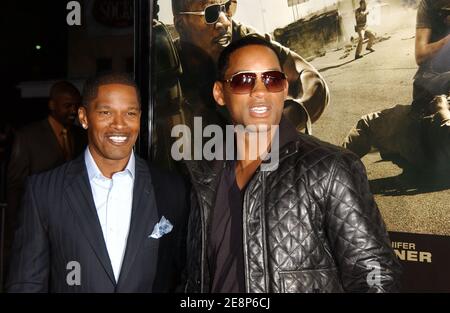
{"points": [[244, 82], [212, 12]]}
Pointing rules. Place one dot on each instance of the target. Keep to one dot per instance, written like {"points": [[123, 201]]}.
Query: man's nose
{"points": [[259, 90], [118, 121], [73, 109], [223, 21]]}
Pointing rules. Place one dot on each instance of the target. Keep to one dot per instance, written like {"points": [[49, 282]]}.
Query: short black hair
{"points": [[90, 89], [250, 40]]}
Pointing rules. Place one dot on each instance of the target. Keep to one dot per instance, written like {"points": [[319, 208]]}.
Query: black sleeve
{"points": [[18, 170], [29, 270], [356, 231]]}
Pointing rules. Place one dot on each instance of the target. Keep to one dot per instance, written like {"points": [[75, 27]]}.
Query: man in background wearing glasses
{"points": [[206, 28], [307, 224]]}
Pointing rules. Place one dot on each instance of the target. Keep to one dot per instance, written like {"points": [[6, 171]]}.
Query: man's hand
{"points": [[440, 107], [306, 85], [439, 103]]}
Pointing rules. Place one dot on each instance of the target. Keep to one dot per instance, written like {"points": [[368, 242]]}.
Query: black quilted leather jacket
{"points": [[312, 225]]}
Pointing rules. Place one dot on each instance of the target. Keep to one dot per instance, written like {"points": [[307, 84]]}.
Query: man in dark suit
{"points": [[103, 222], [48, 143], [42, 146]]}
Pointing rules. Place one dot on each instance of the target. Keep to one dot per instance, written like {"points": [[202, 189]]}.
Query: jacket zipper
{"points": [[263, 230], [202, 221], [203, 260], [244, 238], [263, 225]]}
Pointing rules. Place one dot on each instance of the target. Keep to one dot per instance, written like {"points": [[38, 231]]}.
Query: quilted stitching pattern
{"points": [[311, 226], [310, 281]]}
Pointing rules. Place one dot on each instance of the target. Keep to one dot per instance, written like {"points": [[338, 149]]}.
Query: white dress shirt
{"points": [[113, 200]]}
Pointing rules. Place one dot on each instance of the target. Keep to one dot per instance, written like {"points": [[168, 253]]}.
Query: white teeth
{"points": [[259, 110], [118, 139], [224, 41]]}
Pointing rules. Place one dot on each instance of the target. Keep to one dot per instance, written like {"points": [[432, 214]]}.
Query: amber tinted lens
{"points": [[243, 83], [274, 80]]}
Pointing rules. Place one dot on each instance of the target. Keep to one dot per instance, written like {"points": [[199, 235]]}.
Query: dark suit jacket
{"points": [[59, 224], [35, 150]]}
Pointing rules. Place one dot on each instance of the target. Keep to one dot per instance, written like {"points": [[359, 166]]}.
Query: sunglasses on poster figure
{"points": [[211, 13]]}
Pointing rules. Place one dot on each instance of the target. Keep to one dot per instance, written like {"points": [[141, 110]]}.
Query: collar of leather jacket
{"points": [[206, 172]]}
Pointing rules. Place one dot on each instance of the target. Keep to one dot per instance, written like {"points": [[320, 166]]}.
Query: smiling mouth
{"points": [[118, 139], [260, 110], [223, 41]]}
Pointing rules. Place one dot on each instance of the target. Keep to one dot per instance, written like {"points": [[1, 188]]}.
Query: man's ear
{"points": [[286, 89], [82, 116], [218, 93], [51, 105]]}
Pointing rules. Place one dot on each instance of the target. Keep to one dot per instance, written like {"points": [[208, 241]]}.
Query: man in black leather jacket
{"points": [[306, 224]]}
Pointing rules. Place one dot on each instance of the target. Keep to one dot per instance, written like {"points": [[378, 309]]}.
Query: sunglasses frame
{"points": [[202, 13], [254, 83]]}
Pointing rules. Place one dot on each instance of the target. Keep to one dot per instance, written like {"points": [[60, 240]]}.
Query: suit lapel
{"points": [[144, 216], [80, 199]]}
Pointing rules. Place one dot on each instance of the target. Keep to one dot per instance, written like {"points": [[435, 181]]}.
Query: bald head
{"points": [[64, 102], [62, 87], [181, 5]]}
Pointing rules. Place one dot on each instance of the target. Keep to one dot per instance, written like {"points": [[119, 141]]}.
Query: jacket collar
{"points": [[79, 195], [207, 172], [94, 172], [144, 216], [288, 142]]}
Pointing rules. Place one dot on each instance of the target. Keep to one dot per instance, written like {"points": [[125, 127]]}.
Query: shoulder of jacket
{"points": [[32, 128], [316, 151], [52, 179]]}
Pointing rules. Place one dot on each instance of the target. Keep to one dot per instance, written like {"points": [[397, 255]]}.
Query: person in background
{"points": [[432, 51], [205, 28], [41, 146], [361, 28]]}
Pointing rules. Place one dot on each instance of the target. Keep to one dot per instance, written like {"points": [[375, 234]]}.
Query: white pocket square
{"points": [[161, 228]]}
